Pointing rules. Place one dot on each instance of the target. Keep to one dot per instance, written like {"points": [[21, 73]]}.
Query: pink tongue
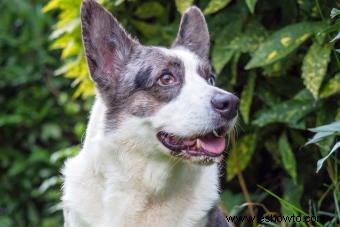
{"points": [[213, 145]]}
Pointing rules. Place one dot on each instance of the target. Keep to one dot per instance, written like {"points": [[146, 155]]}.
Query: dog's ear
{"points": [[193, 32], [107, 45]]}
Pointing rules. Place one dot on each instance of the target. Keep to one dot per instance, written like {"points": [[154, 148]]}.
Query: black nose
{"points": [[225, 104]]}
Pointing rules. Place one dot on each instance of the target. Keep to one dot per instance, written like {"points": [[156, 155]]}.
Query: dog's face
{"points": [[170, 92]]}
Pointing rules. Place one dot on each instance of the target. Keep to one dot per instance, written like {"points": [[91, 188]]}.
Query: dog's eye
{"points": [[166, 79], [211, 80]]}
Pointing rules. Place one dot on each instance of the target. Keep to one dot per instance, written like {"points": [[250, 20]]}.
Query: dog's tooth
{"points": [[216, 133], [198, 144]]}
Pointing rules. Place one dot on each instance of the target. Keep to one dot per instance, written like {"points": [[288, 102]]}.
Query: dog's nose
{"points": [[225, 104]]}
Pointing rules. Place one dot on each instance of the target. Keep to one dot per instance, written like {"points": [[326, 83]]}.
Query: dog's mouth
{"points": [[209, 145]]}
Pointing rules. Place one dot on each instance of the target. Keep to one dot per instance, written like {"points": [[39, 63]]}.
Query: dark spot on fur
{"points": [[143, 79], [137, 92], [204, 70]]}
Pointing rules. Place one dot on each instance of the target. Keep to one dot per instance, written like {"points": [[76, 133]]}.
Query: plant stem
{"points": [[246, 196]]}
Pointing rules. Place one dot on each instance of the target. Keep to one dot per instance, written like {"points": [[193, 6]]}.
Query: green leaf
{"points": [[284, 202], [220, 57], [232, 40], [251, 5], [51, 131], [240, 155], [281, 43], [247, 97], [249, 39], [183, 5], [292, 193], [119, 2], [319, 136], [321, 161], [333, 127], [222, 53], [289, 112], [287, 157], [314, 67], [215, 5], [337, 37], [147, 29], [232, 202], [49, 183], [332, 87], [267, 95], [335, 12], [335, 27], [149, 10], [62, 154]]}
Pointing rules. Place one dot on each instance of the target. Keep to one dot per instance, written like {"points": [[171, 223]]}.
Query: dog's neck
{"points": [[157, 185]]}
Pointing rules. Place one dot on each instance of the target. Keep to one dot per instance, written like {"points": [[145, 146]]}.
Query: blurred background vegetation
{"points": [[280, 57]]}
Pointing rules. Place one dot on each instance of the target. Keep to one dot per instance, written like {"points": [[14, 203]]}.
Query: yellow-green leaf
{"points": [[240, 155], [247, 97], [251, 5], [314, 67], [53, 4], [332, 87], [287, 157], [183, 5], [215, 5], [281, 43]]}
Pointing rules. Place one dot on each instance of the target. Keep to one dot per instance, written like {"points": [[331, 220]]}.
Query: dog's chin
{"points": [[202, 149]]}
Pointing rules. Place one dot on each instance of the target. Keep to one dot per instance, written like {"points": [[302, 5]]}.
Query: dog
{"points": [[156, 132]]}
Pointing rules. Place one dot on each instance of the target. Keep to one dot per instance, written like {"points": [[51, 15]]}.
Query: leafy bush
{"points": [[37, 117], [279, 57]]}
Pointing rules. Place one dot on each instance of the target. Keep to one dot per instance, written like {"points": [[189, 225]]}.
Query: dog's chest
{"points": [[184, 201], [182, 210]]}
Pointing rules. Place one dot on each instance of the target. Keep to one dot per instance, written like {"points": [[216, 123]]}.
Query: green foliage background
{"points": [[278, 56]]}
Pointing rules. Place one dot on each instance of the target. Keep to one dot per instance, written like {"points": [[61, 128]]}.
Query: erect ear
{"points": [[193, 32], [107, 45]]}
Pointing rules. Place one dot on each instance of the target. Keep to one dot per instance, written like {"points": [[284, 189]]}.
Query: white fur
{"points": [[127, 177]]}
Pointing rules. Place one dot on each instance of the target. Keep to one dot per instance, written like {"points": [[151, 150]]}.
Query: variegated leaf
{"points": [[314, 67], [332, 87], [289, 112], [281, 43]]}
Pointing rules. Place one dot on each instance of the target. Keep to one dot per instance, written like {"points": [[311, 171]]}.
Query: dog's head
{"points": [[168, 92]]}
